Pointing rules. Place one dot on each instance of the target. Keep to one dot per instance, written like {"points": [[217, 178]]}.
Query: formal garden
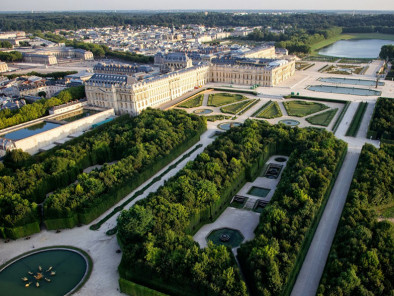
{"points": [[196, 101], [272, 110], [159, 253], [141, 146], [323, 118], [220, 99], [303, 108], [237, 107]]}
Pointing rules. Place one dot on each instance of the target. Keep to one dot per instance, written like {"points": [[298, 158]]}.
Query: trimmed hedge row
{"points": [[236, 90], [134, 289], [356, 121], [340, 117], [315, 99]]}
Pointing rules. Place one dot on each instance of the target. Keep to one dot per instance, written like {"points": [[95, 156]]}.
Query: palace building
{"points": [[128, 95]]}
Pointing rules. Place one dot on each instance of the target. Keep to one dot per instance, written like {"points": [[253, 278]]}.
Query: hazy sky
{"points": [[39, 5]]}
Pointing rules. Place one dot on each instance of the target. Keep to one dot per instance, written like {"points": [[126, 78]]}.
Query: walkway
{"points": [[312, 269]]}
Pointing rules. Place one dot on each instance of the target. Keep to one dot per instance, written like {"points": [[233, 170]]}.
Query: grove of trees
{"points": [[12, 56], [141, 145], [155, 234], [382, 124], [361, 260], [387, 52]]}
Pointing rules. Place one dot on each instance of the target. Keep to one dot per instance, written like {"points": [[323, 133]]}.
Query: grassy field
{"points": [[217, 117], [191, 103], [220, 99], [322, 119], [235, 108], [356, 121], [386, 211], [315, 47], [303, 108], [271, 111]]}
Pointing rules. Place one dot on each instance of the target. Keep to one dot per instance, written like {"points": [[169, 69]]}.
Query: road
{"points": [[312, 269]]}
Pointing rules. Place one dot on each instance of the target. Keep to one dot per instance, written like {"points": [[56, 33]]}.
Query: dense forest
{"points": [[382, 124], [69, 20], [141, 145], [39, 108], [361, 260], [158, 250]]}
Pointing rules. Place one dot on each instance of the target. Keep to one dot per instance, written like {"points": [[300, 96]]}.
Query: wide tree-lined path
{"points": [[312, 269]]}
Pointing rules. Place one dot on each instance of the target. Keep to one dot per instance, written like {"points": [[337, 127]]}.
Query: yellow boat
{"points": [[49, 269], [25, 279], [39, 268], [37, 284], [27, 285], [53, 273], [48, 280]]}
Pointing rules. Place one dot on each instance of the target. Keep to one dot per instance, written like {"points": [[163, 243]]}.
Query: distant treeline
{"points": [[54, 75], [71, 21]]}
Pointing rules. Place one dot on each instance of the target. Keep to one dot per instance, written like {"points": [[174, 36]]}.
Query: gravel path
{"points": [[312, 269]]}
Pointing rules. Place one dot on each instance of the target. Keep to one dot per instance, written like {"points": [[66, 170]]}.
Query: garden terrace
{"points": [[158, 251], [360, 261], [143, 145]]}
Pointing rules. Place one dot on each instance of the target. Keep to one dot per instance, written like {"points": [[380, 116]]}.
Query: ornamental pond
{"points": [[51, 272]]}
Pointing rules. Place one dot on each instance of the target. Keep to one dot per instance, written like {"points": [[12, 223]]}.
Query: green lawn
{"points": [[271, 111], [235, 108], [303, 108], [220, 99], [322, 119], [217, 117], [386, 211], [191, 103]]}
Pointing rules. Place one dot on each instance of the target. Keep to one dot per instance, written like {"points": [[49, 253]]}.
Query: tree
{"points": [[387, 52]]}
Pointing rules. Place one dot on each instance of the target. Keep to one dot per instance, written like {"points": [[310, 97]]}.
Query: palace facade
{"points": [[127, 95]]}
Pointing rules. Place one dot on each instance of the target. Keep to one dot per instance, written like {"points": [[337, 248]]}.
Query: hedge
{"points": [[134, 289], [19, 231]]}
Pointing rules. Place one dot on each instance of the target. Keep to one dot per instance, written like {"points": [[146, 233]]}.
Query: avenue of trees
{"points": [[155, 234], [382, 124], [361, 260], [39, 108], [141, 144]]}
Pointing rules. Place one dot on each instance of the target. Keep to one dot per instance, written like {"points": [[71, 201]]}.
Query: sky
{"points": [[50, 5]]}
